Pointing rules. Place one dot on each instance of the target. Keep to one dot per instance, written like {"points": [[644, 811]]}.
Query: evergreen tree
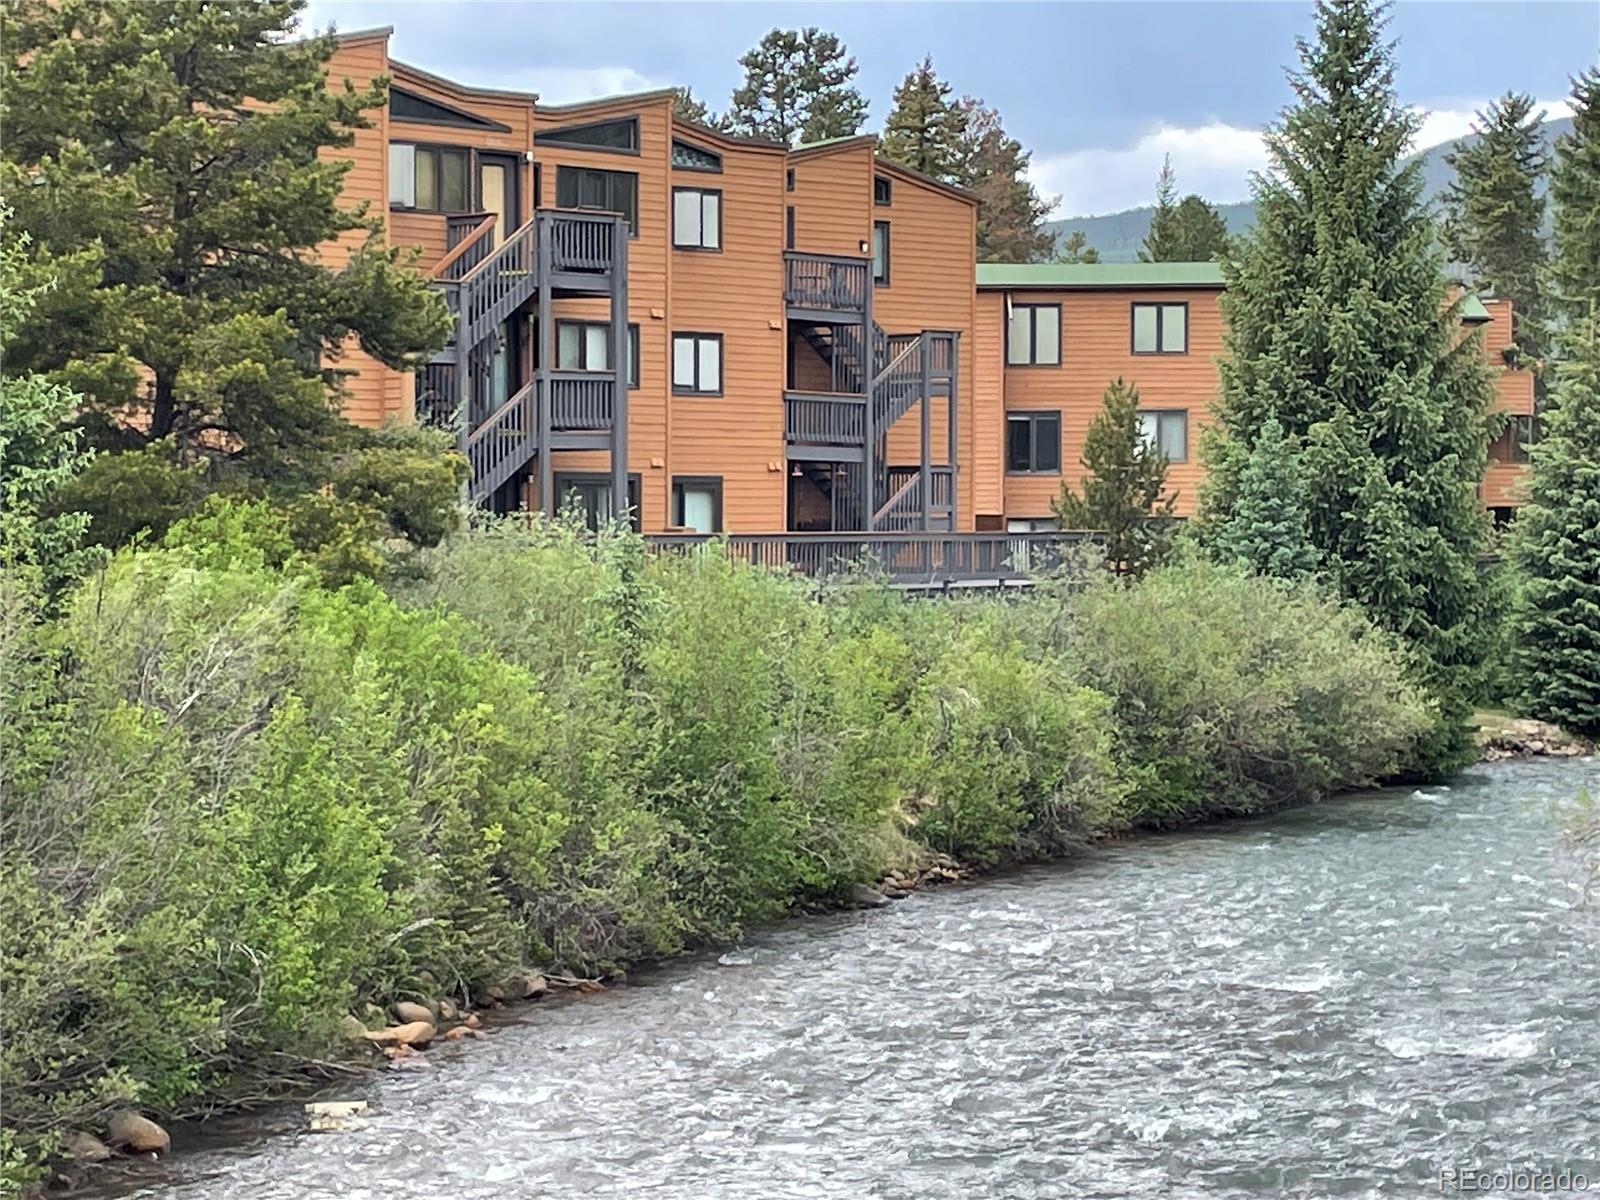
{"points": [[167, 161], [924, 129], [1337, 325], [1494, 212], [1126, 474], [1555, 539], [686, 106], [1268, 530], [1187, 230], [994, 166], [1075, 248], [797, 88]]}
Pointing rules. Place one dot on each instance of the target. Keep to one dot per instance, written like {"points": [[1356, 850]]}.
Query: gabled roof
{"points": [[1100, 275], [1473, 311]]}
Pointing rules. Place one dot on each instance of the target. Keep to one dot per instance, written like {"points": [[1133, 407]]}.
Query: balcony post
{"points": [[543, 260], [869, 445], [954, 424], [925, 476], [621, 359]]}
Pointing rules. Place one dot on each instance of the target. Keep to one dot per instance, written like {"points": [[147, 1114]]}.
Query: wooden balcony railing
{"points": [[818, 419], [826, 282], [908, 558], [581, 401], [582, 241]]}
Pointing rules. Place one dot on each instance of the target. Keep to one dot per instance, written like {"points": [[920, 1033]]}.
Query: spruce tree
{"points": [[1159, 235], [924, 128], [797, 88], [1494, 211], [1075, 248], [1555, 538], [167, 160], [1011, 212], [1125, 476], [1268, 530], [1338, 326], [1187, 230]]}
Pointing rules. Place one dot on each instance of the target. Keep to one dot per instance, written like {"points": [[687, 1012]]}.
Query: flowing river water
{"points": [[1338, 1001]]}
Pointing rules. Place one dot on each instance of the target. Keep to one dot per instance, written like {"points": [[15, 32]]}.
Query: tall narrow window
{"points": [[697, 364], [1167, 431], [788, 228], [1033, 442], [697, 218], [697, 503], [882, 191], [1161, 328], [605, 191], [1033, 335], [880, 252]]}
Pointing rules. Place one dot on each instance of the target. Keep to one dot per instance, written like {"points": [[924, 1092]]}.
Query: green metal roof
{"points": [[1472, 309], [1099, 275]]}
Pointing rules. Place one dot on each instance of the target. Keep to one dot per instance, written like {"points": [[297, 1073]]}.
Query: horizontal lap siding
{"points": [[832, 201], [987, 406], [1097, 348], [1505, 484], [647, 283], [739, 294]]}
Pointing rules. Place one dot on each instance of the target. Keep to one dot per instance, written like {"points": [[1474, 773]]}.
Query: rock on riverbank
{"points": [[1500, 738]]}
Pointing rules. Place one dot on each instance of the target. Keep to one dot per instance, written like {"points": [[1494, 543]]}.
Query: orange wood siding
{"points": [[1096, 347], [986, 460], [1504, 483], [739, 294], [832, 200]]}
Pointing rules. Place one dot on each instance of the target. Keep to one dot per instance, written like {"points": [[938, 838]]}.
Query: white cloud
{"points": [[569, 85], [1214, 159]]}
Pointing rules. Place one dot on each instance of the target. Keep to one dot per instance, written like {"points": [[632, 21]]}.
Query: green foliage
{"points": [[1573, 279], [1075, 248], [686, 106], [926, 126], [1494, 211], [1338, 326], [798, 87], [1126, 474], [190, 314], [1187, 230], [1267, 530]]}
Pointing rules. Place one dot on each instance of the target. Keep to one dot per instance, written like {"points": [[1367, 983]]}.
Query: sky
{"points": [[1098, 91]]}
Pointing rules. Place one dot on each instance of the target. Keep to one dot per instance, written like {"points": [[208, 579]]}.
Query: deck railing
{"points": [[581, 241], [908, 558], [580, 401], [822, 420], [826, 281]]}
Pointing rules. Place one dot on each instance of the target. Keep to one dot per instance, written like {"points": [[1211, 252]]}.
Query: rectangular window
{"points": [[590, 495], [1033, 442], [1033, 336], [586, 346], [433, 178], [788, 180], [1168, 432], [697, 503], [1161, 328], [697, 364], [1512, 444], [788, 228], [697, 218], [880, 252], [602, 191], [882, 191], [1032, 525]]}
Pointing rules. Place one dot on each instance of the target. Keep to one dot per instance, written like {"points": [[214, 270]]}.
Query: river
{"points": [[1337, 1001]]}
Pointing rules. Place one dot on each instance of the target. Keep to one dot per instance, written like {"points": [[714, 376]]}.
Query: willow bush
{"points": [[241, 803]]}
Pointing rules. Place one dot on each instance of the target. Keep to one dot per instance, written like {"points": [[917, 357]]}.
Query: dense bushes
{"points": [[239, 804]]}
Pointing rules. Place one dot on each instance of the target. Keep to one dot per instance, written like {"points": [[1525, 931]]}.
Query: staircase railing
{"points": [[501, 444], [470, 239]]}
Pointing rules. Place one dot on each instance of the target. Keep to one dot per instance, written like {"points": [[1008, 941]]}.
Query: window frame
{"points": [[1033, 417], [722, 362], [1034, 308], [456, 118], [882, 191], [1518, 447], [584, 326], [632, 219], [1158, 414], [788, 227], [1133, 308], [554, 137], [563, 479], [711, 483], [438, 150], [699, 247], [888, 253], [788, 180], [688, 145]]}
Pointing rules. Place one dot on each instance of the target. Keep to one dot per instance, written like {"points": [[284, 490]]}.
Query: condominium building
{"points": [[726, 335]]}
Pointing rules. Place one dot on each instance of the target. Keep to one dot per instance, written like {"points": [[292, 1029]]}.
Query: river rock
{"points": [[85, 1147], [448, 1010], [524, 986], [865, 897], [138, 1135], [456, 1034], [408, 1012], [472, 1021], [412, 1033]]}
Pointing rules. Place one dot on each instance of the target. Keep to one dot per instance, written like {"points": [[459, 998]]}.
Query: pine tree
{"points": [[797, 87], [1126, 474], [1555, 539], [1494, 212], [1268, 530], [1338, 326], [165, 159], [925, 127], [686, 106], [1187, 230], [1075, 248], [1157, 239], [1011, 212]]}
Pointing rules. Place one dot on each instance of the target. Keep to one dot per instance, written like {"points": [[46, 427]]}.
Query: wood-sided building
{"points": [[1504, 482]]}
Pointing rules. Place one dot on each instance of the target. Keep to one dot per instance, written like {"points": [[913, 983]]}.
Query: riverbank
{"points": [[307, 807]]}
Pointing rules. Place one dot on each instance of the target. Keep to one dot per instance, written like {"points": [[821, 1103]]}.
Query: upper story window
{"points": [[697, 218], [882, 190], [586, 346], [434, 178], [1033, 442], [697, 364], [694, 158], [1167, 431], [880, 252], [606, 191], [622, 135], [1033, 336], [1161, 328], [788, 228], [1512, 444], [788, 180], [408, 106]]}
